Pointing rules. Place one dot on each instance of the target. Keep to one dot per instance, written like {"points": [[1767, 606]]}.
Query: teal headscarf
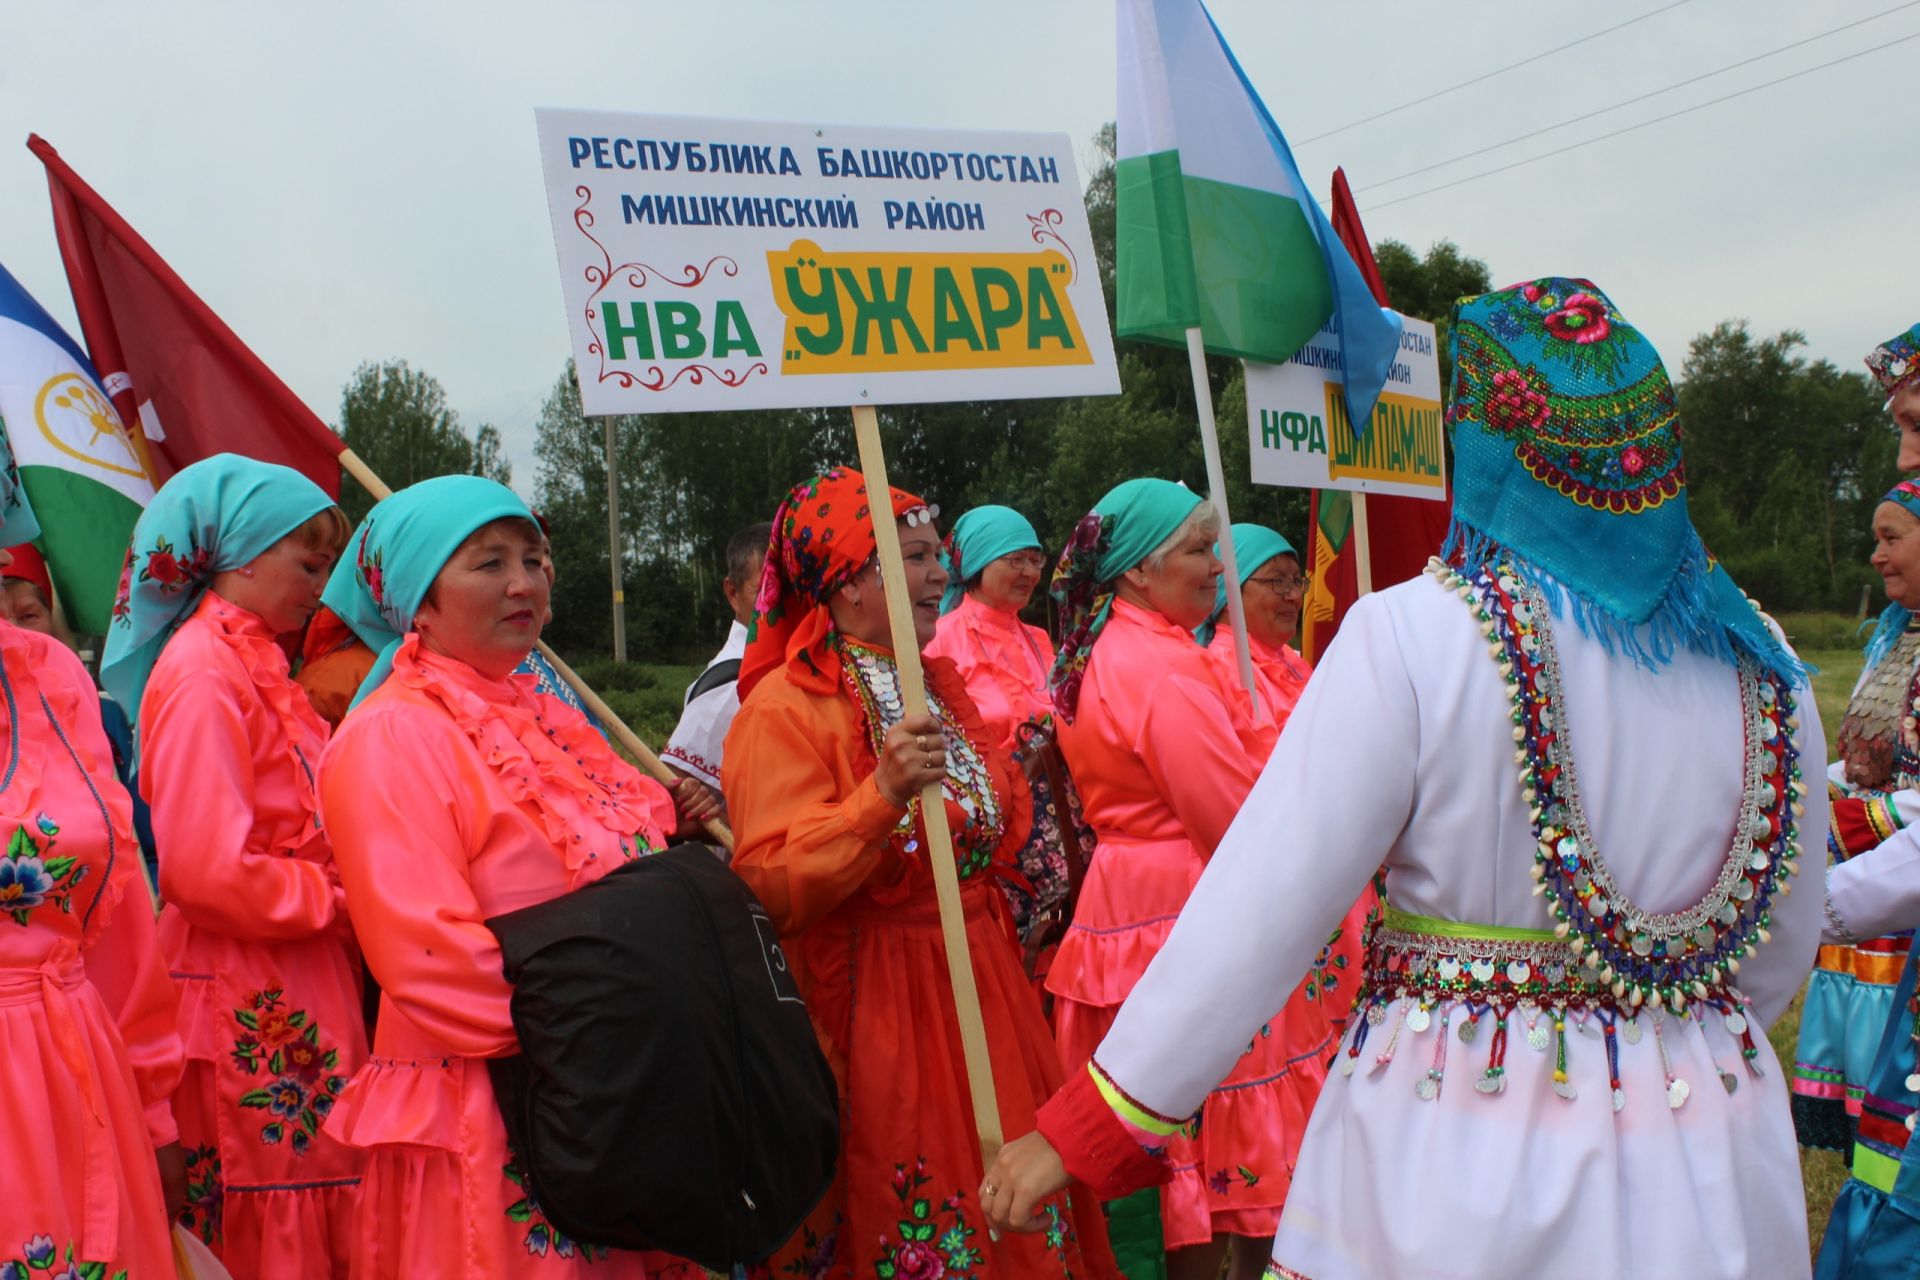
{"points": [[1122, 530], [979, 538], [215, 515], [1253, 546], [397, 552], [16, 514], [1567, 464]]}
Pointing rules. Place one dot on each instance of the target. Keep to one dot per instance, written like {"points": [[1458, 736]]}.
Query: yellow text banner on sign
{"points": [[880, 312], [726, 264], [1300, 434]]}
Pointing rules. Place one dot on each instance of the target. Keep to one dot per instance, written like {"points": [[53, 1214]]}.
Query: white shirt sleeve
{"points": [[1877, 892], [1325, 812]]}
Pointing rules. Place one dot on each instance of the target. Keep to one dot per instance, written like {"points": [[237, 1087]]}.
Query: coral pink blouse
{"points": [[231, 746], [1279, 674], [1154, 758], [1004, 661], [89, 1053], [453, 798]]}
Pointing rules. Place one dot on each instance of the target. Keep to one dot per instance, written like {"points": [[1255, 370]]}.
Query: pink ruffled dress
{"points": [[88, 1048], [1164, 751], [1005, 663], [259, 946], [453, 798]]}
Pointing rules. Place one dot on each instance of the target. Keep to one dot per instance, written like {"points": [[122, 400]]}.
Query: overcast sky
{"points": [[353, 181]]}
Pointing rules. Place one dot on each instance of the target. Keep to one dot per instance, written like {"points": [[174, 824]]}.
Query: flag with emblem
{"points": [[77, 463], [171, 365]]}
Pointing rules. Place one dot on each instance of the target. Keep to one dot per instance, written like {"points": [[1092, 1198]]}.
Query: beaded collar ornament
{"points": [[1608, 967], [873, 680], [1644, 956]]}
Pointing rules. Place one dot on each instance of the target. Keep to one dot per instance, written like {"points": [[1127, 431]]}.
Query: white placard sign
{"points": [[1300, 436], [728, 264]]}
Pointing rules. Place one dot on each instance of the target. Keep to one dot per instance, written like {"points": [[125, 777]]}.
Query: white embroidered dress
{"points": [[1402, 752], [695, 747]]}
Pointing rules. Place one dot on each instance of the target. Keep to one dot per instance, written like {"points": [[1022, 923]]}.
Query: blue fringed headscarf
{"points": [[1567, 463]]}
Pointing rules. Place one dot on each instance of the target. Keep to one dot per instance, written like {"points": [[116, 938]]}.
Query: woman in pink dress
{"points": [[456, 792], [1164, 749], [994, 562], [230, 554], [1271, 589], [88, 1049]]}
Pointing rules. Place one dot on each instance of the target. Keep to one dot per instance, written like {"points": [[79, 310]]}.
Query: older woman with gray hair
{"points": [[1165, 749]]}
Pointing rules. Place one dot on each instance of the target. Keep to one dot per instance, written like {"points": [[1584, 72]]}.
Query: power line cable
{"points": [[1652, 93], [1587, 142], [1512, 66]]}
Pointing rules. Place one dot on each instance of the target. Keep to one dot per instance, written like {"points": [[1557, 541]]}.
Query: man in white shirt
{"points": [[712, 700]]}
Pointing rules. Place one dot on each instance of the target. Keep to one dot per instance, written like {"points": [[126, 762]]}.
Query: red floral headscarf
{"points": [[822, 535]]}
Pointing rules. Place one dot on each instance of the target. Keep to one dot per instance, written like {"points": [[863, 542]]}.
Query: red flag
{"points": [[1401, 532], [171, 365]]}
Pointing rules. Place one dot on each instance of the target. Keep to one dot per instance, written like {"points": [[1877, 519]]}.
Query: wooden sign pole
{"points": [[933, 804], [1362, 548], [1217, 481], [351, 463]]}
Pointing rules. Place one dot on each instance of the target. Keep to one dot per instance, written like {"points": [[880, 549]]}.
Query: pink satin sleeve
{"points": [[1199, 765], [122, 953], [197, 772], [126, 967], [394, 789]]}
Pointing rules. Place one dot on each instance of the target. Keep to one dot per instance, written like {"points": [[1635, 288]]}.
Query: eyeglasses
{"points": [[1031, 561], [1284, 586]]}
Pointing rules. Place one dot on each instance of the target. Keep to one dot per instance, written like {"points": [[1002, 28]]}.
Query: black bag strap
{"points": [[723, 672]]}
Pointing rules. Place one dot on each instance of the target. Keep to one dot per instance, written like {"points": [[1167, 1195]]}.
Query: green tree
{"points": [[1786, 459], [570, 492], [396, 418], [490, 455], [1428, 287]]}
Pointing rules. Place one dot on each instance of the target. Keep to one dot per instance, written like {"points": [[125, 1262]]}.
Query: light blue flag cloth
{"points": [[1369, 332]]}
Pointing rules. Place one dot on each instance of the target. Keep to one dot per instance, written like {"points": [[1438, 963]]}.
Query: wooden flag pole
{"points": [[615, 560], [1362, 548], [933, 804], [350, 463], [1217, 481]]}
